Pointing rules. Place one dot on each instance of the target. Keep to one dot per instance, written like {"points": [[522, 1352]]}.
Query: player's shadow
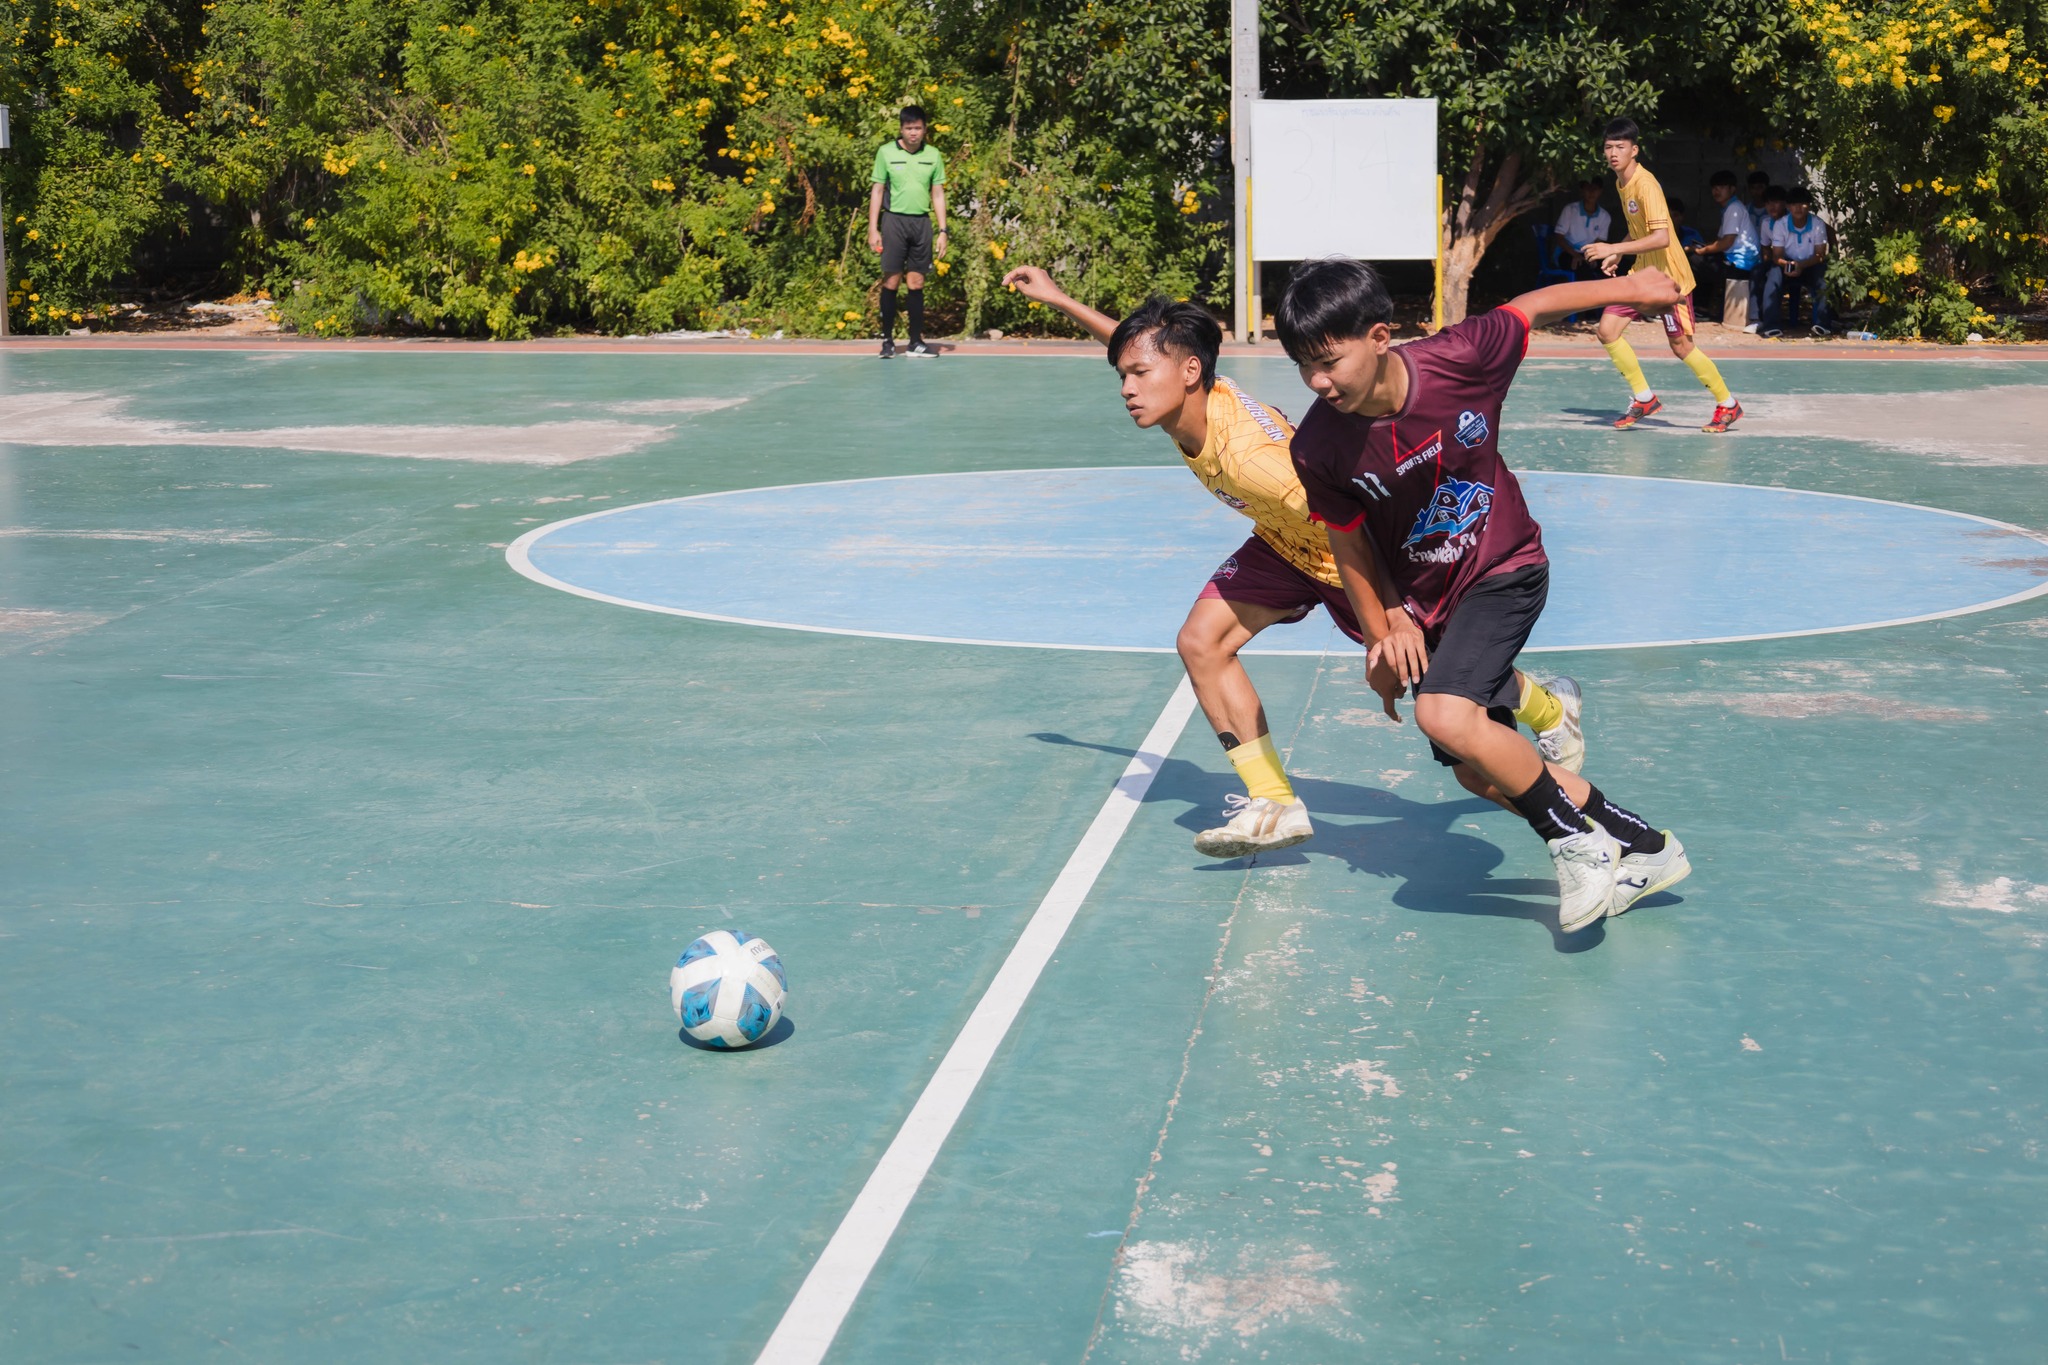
{"points": [[1604, 417], [783, 1031], [1440, 869]]}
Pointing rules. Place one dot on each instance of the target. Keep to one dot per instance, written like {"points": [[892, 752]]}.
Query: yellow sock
{"points": [[1258, 763], [1624, 357], [1696, 361], [1540, 708]]}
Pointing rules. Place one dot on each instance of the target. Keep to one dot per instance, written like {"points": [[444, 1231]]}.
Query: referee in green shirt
{"points": [[912, 174]]}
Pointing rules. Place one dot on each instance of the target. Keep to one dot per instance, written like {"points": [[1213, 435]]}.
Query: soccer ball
{"points": [[727, 988]]}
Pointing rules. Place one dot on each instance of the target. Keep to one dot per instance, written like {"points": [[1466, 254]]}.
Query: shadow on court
{"points": [[1440, 870], [783, 1031]]}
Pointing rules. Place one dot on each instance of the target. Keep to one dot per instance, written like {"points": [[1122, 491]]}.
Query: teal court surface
{"points": [[381, 724]]}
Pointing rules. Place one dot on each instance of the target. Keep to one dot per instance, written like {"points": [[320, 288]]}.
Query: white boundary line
{"points": [[517, 556], [814, 1315]]}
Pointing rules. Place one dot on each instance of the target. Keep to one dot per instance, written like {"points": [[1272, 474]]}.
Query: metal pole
{"points": [[1244, 88], [6, 141], [1437, 313]]}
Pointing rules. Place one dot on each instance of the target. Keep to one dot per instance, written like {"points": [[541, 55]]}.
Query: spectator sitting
{"points": [[1759, 191], [1688, 237], [1768, 214], [1579, 225], [1732, 256], [1799, 263]]}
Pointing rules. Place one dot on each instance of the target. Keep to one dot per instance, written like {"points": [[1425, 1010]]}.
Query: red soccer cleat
{"points": [[1638, 409], [1724, 418]]}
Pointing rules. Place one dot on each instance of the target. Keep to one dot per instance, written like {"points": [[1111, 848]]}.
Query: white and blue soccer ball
{"points": [[727, 988]]}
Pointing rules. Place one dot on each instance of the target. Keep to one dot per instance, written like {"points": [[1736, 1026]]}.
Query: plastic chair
{"points": [[1548, 271]]}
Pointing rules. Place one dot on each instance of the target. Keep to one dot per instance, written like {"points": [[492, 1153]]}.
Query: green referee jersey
{"points": [[909, 176]]}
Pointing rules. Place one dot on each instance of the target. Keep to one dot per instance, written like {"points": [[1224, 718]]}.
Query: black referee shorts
{"points": [[906, 243], [1475, 657]]}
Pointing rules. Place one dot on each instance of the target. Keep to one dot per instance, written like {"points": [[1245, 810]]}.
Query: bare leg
{"points": [[1497, 761], [1209, 641]]}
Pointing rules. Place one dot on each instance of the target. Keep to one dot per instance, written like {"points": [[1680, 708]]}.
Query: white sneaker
{"points": [[1565, 742], [1645, 874], [1588, 866], [1256, 825]]}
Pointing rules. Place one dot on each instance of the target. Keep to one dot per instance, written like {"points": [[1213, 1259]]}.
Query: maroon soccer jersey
{"points": [[1428, 482]]}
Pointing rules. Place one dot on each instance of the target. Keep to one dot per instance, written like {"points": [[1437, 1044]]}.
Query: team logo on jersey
{"points": [[1457, 507], [1225, 571], [1634, 207], [1472, 428], [1239, 503], [1428, 450], [1371, 486]]}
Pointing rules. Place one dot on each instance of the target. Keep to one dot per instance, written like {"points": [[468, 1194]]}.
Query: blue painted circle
{"points": [[1111, 559]]}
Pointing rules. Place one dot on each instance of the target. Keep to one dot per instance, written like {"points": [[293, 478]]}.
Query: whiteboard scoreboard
{"points": [[1343, 178], [1324, 178]]}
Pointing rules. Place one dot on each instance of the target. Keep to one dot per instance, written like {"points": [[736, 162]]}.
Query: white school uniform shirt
{"points": [[1799, 244], [1737, 222], [1579, 227], [1772, 232]]}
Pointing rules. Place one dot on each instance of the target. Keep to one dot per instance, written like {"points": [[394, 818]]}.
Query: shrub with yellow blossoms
{"points": [[1931, 127], [522, 166]]}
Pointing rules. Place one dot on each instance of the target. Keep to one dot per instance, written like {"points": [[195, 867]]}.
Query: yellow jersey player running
{"points": [[1165, 353], [1654, 243]]}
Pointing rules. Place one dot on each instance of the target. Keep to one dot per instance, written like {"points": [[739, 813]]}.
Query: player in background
{"points": [[1654, 243], [1400, 460], [909, 194], [1165, 353]]}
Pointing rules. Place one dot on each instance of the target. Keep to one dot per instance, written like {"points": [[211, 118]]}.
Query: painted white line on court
{"points": [[813, 1316]]}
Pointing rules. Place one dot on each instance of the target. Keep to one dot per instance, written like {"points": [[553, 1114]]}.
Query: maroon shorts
{"points": [[1257, 575], [1677, 322]]}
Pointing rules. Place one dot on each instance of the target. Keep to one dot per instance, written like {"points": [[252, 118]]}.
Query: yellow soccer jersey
{"points": [[1642, 203], [1246, 464]]}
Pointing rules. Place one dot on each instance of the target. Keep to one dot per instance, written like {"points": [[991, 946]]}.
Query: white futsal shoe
{"points": [[1257, 824], [1645, 874], [1565, 742], [1588, 871]]}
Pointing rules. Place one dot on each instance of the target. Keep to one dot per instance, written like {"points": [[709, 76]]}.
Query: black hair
{"points": [[1675, 204], [1181, 327], [1776, 192], [1333, 299], [912, 113], [1622, 130], [1799, 194], [1759, 177], [1723, 178]]}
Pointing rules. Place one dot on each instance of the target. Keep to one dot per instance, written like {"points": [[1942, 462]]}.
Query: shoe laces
{"points": [[1236, 804]]}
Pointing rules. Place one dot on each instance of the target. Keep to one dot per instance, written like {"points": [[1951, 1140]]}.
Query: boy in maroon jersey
{"points": [[1440, 558]]}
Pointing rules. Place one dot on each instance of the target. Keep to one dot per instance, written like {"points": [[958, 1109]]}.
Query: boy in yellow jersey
{"points": [[1653, 242], [1238, 448]]}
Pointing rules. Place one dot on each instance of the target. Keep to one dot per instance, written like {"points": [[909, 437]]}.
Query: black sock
{"points": [[1630, 830], [1549, 811], [916, 316], [889, 315]]}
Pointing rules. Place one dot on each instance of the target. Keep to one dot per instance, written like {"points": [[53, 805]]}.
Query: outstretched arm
{"points": [[1652, 291], [1034, 284]]}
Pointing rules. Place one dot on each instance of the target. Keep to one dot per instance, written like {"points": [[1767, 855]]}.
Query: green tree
{"points": [[95, 91], [1523, 87], [1931, 125]]}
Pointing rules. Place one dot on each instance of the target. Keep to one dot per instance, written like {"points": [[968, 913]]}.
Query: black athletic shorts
{"points": [[906, 243], [1474, 657]]}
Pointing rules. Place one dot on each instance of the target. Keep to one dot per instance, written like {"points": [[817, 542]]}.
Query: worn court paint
{"points": [[344, 870], [1108, 559]]}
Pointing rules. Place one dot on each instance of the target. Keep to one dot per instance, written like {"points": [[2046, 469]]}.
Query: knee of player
{"points": [[1445, 718], [1199, 648]]}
